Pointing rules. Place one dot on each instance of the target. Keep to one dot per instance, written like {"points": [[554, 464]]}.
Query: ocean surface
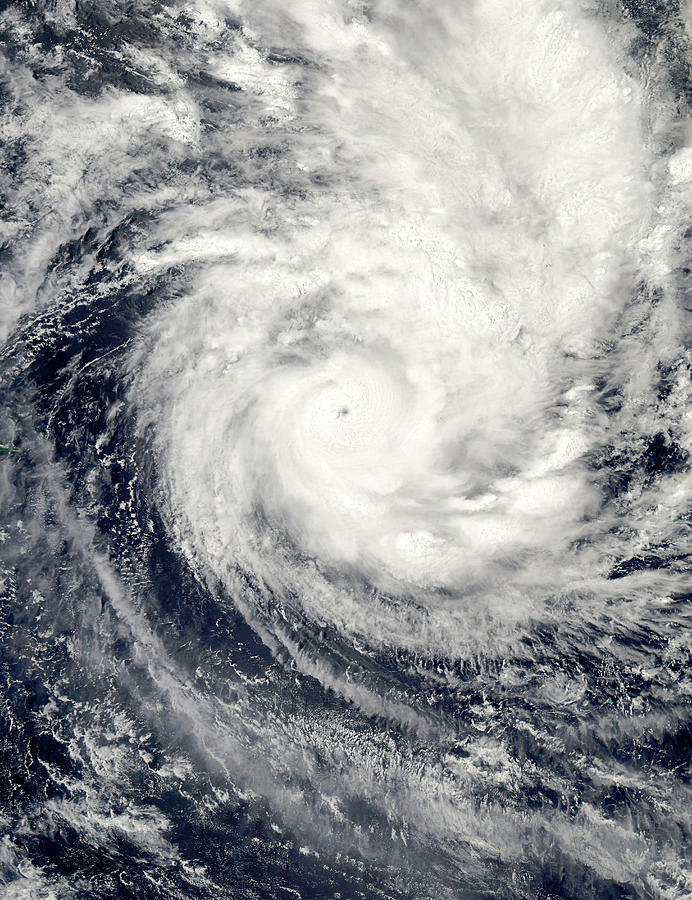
{"points": [[345, 450]]}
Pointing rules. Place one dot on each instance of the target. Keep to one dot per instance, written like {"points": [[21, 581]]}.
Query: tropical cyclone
{"points": [[346, 524], [393, 374]]}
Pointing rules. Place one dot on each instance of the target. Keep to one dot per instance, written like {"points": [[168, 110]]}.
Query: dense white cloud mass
{"points": [[392, 375], [370, 315]]}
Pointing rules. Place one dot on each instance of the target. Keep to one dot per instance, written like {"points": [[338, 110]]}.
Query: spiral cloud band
{"points": [[344, 363]]}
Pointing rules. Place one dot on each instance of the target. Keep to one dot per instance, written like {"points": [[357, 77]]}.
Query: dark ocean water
{"points": [[344, 464]]}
